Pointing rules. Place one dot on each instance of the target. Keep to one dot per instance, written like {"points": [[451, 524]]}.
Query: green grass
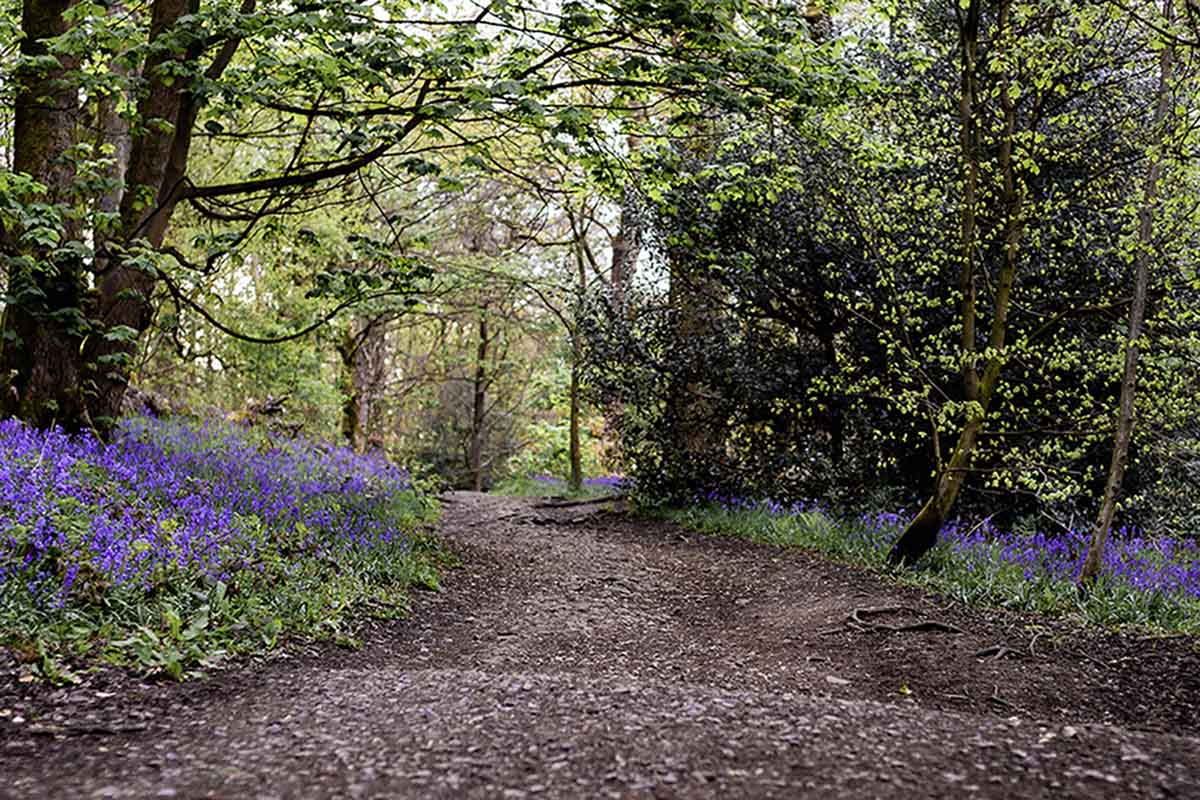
{"points": [[186, 623], [530, 487], [981, 580]]}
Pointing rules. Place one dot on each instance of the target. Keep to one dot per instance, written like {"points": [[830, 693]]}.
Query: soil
{"points": [[583, 652]]}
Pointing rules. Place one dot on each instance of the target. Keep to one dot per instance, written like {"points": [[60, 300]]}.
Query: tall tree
{"points": [[1000, 155], [1144, 254], [346, 90]]}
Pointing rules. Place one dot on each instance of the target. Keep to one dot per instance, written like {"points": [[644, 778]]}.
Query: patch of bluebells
{"points": [[613, 482], [167, 497], [773, 508], [1132, 560]]}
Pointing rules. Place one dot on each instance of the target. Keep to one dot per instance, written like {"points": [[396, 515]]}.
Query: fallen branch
{"points": [[1096, 661], [998, 700], [857, 614]]}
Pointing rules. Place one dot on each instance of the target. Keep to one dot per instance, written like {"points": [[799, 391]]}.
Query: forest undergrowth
{"points": [[180, 542], [1148, 582]]}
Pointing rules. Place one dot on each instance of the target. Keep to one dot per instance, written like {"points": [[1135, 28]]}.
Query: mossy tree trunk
{"points": [[38, 370], [69, 340]]}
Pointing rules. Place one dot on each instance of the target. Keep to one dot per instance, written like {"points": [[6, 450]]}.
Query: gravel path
{"points": [[584, 654]]}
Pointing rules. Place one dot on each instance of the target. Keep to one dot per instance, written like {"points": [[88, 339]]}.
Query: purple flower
{"points": [[169, 494]]}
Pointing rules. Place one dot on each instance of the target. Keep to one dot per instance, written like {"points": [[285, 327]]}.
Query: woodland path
{"points": [[580, 652]]}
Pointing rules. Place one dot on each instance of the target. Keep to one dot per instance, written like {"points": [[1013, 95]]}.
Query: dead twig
{"points": [[1094, 660]]}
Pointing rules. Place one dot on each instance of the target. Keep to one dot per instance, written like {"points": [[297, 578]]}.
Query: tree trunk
{"points": [[41, 380], [354, 403], [112, 132], [626, 244], [157, 163], [479, 406], [620, 246], [576, 450], [362, 352], [67, 355], [1137, 313], [921, 534], [698, 442]]}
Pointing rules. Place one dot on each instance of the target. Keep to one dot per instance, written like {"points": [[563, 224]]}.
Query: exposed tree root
{"points": [[612, 498], [995, 652], [856, 620], [1000, 701]]}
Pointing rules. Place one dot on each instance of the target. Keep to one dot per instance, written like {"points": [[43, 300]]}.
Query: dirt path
{"points": [[587, 654]]}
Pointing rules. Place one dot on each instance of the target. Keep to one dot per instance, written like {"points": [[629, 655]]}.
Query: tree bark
{"points": [[575, 446], [113, 134], [479, 405], [68, 354], [698, 441], [157, 166], [626, 244], [362, 355], [40, 383], [1137, 314], [575, 481], [354, 403]]}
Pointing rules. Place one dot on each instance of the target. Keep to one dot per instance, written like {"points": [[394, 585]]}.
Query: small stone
{"points": [[836, 681], [1096, 774]]}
